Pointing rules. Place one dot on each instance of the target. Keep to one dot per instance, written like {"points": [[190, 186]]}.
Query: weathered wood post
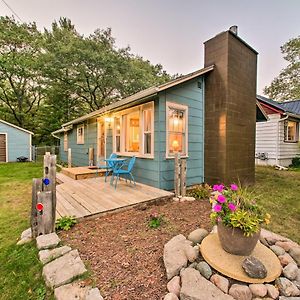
{"points": [[183, 177], [69, 158], [177, 174], [91, 156], [37, 187]]}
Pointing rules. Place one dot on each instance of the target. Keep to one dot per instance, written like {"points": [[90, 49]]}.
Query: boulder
{"points": [[285, 259], [221, 282], [240, 292], [295, 254], [191, 253], [47, 241], [63, 269], [272, 291], [286, 245], [197, 235], [297, 280], [204, 269], [77, 291], [258, 289], [174, 256], [290, 271], [196, 287], [186, 198], [171, 296], [277, 250], [254, 268], [272, 237], [286, 287], [47, 255], [173, 285], [26, 237]]}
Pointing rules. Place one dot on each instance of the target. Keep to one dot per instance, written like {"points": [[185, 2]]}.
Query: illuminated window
{"points": [[66, 141], [291, 131], [80, 134], [117, 134], [176, 129], [147, 131], [132, 132]]}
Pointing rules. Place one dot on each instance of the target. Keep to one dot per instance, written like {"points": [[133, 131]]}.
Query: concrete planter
{"points": [[235, 242]]}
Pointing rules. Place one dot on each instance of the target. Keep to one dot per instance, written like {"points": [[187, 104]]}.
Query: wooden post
{"points": [[91, 156], [44, 218], [50, 173], [183, 177], [69, 158], [177, 174], [36, 189]]}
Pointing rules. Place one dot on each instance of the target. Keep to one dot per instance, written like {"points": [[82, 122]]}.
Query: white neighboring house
{"points": [[277, 140]]}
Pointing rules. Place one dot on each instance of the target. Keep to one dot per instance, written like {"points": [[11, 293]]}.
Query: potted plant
{"points": [[238, 217]]}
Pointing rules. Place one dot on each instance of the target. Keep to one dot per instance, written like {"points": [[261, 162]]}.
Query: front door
{"points": [[3, 147], [101, 140]]}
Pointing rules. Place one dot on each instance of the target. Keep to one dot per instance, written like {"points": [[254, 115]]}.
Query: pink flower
{"points": [[234, 187], [231, 206], [218, 187], [215, 187], [217, 207], [221, 198]]}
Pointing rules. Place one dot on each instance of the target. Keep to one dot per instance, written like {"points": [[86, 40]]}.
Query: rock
{"points": [[295, 254], [191, 253], [173, 285], [285, 259], [204, 269], [214, 229], [254, 268], [272, 291], [264, 241], [286, 245], [272, 237], [193, 265], [174, 256], [47, 241], [77, 291], [196, 287], [286, 287], [26, 237], [297, 280], [290, 271], [176, 199], [63, 269], [258, 289], [289, 298], [277, 250], [186, 198], [171, 296], [221, 282], [240, 292], [197, 235], [46, 256]]}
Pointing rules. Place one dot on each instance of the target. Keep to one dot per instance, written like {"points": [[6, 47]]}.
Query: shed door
{"points": [[2, 147]]}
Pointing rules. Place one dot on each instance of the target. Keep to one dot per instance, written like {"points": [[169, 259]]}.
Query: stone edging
{"points": [[191, 278], [62, 267]]}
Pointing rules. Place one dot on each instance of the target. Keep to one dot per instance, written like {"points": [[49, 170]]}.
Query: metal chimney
{"points": [[234, 29]]}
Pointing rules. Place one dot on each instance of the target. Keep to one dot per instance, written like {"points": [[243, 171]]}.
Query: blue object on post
{"points": [[120, 171], [108, 167]]}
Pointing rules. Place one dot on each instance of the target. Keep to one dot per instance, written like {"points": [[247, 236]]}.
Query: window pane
{"points": [[147, 120], [147, 143], [291, 131], [118, 144], [132, 132], [176, 120], [176, 143], [117, 126]]}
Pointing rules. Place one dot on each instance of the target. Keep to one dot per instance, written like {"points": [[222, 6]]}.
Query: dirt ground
{"points": [[125, 254]]}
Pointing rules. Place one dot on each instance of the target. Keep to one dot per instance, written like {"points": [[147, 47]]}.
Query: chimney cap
{"points": [[234, 29]]}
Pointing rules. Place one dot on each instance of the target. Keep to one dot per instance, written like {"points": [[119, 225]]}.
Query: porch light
{"points": [[108, 119]]}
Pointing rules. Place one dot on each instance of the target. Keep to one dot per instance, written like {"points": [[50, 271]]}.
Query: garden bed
{"points": [[125, 254]]}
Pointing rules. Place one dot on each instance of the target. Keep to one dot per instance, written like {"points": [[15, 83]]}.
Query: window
{"points": [[291, 131], [80, 134], [133, 131], [176, 129], [66, 141]]}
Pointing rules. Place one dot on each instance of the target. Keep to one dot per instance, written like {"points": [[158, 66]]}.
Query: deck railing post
{"points": [[91, 156], [69, 158]]}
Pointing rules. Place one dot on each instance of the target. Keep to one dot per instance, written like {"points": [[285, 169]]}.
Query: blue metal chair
{"points": [[108, 167], [126, 172]]}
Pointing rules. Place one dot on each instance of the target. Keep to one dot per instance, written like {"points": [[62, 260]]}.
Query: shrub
{"points": [[296, 162], [65, 223], [201, 191], [155, 220]]}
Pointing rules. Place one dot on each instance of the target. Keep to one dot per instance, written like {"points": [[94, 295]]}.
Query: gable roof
{"points": [[15, 126], [292, 106], [142, 95]]}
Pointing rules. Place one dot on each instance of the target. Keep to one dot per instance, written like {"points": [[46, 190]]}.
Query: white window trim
{"points": [[140, 108], [78, 127], [66, 135], [285, 128], [6, 145], [170, 105]]}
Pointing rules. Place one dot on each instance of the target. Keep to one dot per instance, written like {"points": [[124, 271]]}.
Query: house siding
{"points": [[18, 142]]}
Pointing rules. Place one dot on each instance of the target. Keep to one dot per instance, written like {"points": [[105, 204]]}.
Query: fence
{"points": [[39, 152]]}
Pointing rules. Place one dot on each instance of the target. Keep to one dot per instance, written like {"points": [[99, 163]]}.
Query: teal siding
{"points": [[18, 142], [158, 172]]}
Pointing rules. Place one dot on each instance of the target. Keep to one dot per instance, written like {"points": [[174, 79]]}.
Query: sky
{"points": [[172, 32]]}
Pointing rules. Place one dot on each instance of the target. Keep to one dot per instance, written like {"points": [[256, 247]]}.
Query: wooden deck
{"points": [[93, 196], [78, 173]]}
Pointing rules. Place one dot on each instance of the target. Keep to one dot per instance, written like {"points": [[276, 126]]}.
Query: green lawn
{"points": [[20, 270], [279, 193]]}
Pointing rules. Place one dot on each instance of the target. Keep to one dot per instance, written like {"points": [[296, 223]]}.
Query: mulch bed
{"points": [[125, 254]]}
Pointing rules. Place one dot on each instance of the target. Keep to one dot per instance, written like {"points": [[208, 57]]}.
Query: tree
{"points": [[287, 85]]}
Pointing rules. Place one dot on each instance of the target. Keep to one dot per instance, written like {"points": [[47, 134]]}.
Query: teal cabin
{"points": [[207, 116], [14, 142]]}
